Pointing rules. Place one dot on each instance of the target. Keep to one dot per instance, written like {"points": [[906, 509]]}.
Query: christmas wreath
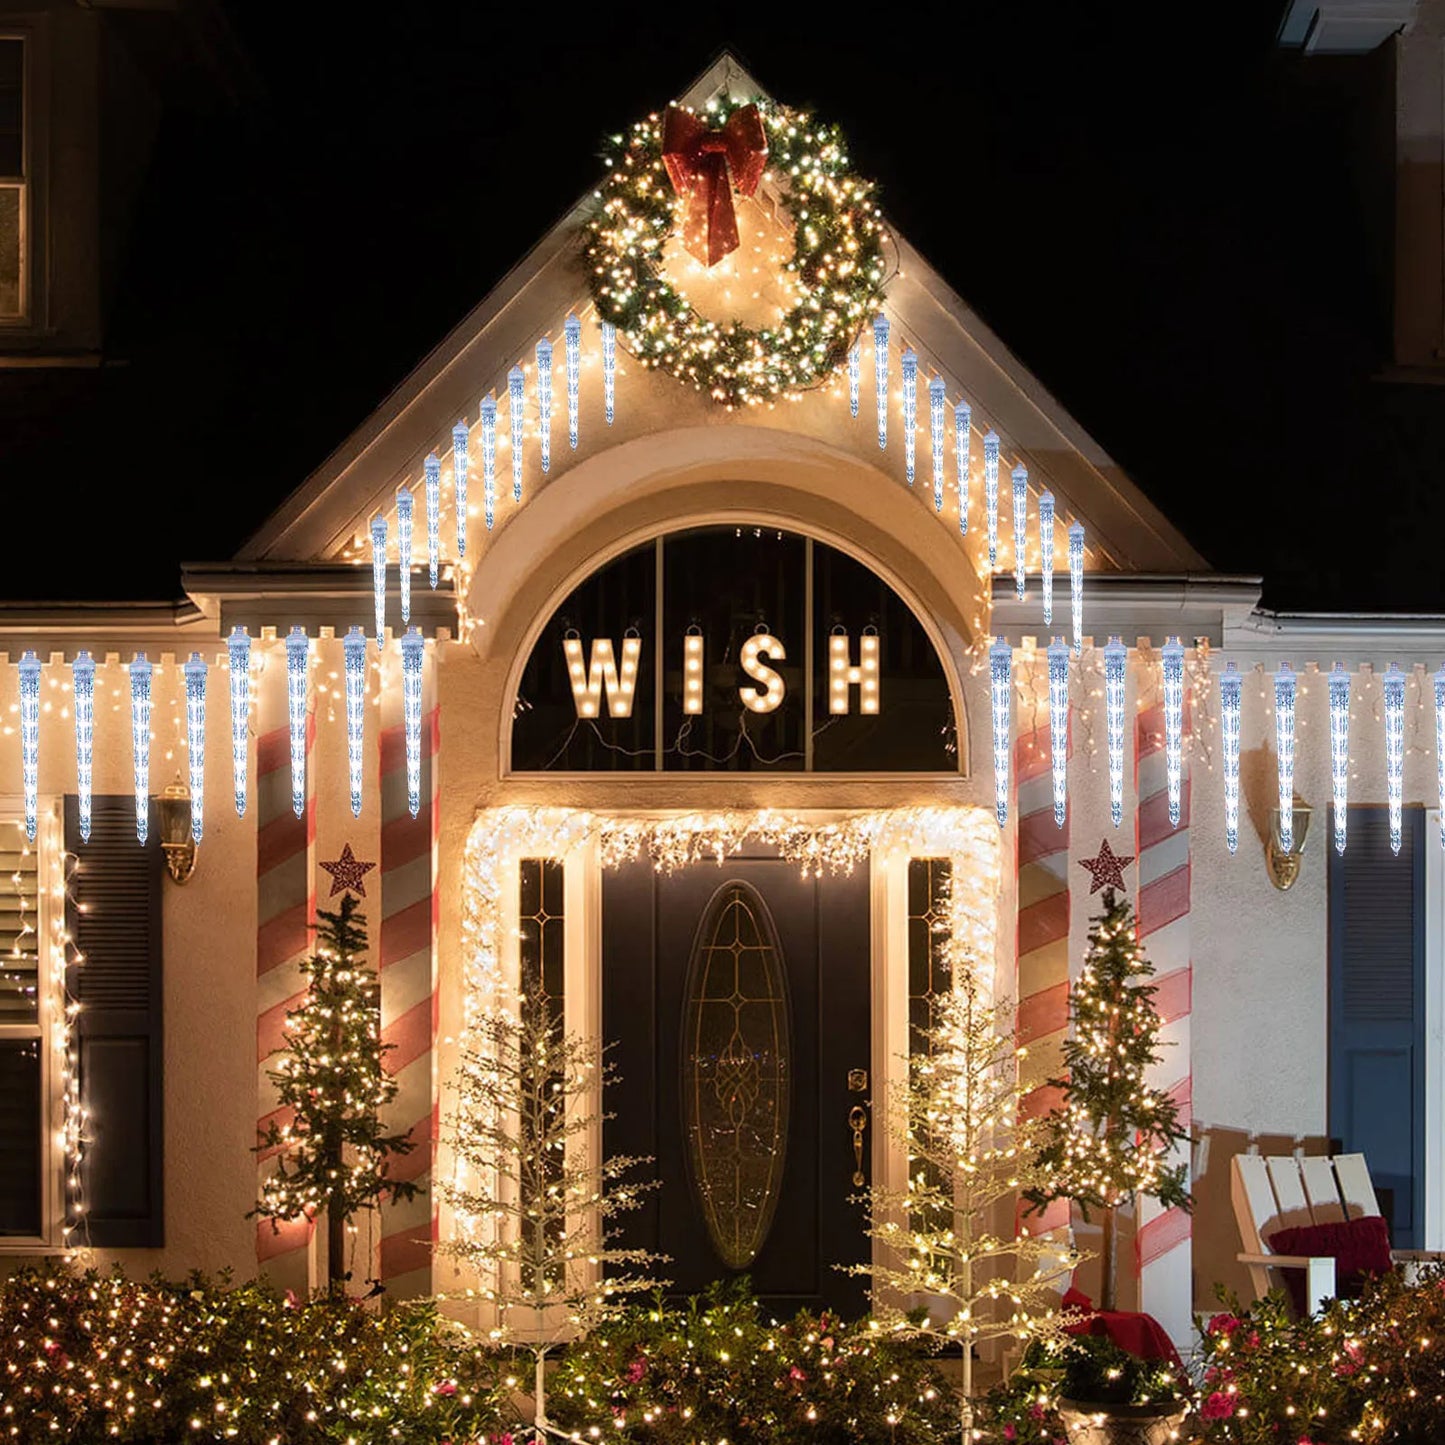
{"points": [[685, 166]]}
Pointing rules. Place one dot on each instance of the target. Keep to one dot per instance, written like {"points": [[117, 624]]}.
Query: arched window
{"points": [[735, 649]]}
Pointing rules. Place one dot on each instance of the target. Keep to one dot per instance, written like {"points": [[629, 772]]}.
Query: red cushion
{"points": [[1357, 1246]]}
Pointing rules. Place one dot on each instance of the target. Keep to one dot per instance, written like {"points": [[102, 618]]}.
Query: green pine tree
{"points": [[335, 1155], [1110, 1136]]}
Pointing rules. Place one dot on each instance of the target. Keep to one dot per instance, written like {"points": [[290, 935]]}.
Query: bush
{"points": [[712, 1369], [86, 1358]]}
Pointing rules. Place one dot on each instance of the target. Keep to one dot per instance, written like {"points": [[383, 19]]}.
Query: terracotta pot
{"points": [[1155, 1424]]}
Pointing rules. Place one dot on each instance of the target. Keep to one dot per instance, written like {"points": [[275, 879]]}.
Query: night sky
{"points": [[1174, 228]]}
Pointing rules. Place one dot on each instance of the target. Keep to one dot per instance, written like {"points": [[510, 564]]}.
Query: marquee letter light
{"points": [[842, 674], [692, 672], [770, 699], [602, 674]]}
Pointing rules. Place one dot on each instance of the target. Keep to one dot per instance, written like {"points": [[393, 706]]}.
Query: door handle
{"points": [[858, 1123]]}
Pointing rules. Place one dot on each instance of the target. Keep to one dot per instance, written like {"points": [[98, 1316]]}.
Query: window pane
{"points": [[11, 211], [20, 1137], [19, 939], [12, 107]]}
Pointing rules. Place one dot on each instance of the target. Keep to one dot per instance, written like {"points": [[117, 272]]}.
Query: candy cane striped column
{"points": [[1163, 1239], [407, 961], [285, 911]]}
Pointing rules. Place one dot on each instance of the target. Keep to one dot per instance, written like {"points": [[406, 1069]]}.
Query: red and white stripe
{"points": [[407, 965], [285, 911], [1163, 1238]]}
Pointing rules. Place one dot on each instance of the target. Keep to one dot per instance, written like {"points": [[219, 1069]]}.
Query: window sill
{"points": [[10, 1249]]}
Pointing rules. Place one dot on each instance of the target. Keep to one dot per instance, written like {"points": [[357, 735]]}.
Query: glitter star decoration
{"points": [[347, 873], [1107, 868]]}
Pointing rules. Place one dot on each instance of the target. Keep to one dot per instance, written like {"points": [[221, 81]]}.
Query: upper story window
{"points": [[13, 179], [734, 649]]}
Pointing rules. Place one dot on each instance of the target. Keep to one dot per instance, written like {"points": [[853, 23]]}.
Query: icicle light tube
{"points": [[140, 741], [516, 406], [609, 371], [880, 376], [238, 645], [489, 461], [962, 435], [1046, 554], [855, 376], [1021, 527], [1394, 687], [1000, 671], [298, 651], [404, 506], [572, 340], [378, 576], [990, 494], [1284, 699], [413, 647], [1231, 688], [1076, 584], [195, 675], [544, 401], [1172, 661], [1340, 751], [433, 470], [910, 414], [353, 647], [82, 675], [1440, 748], [1059, 725], [1116, 662], [29, 668], [461, 466], [935, 438]]}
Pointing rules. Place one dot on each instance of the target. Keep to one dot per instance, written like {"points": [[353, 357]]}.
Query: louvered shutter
{"points": [[117, 928]]}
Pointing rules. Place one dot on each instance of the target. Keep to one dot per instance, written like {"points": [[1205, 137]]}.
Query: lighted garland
{"points": [[837, 267]]}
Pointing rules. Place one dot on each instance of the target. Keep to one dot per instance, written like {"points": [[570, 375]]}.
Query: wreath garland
{"points": [[837, 267]]}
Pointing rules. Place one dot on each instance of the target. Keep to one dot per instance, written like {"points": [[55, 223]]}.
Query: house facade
{"points": [[703, 746]]}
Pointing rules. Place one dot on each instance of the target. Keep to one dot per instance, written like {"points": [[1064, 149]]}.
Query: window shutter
{"points": [[117, 929]]}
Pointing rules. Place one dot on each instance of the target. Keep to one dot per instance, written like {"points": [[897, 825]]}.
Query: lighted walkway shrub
{"points": [[86, 1358]]}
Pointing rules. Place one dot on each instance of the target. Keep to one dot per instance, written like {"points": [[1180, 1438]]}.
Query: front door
{"points": [[737, 1000]]}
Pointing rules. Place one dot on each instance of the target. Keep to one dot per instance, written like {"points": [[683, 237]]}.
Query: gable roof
{"points": [[319, 520]]}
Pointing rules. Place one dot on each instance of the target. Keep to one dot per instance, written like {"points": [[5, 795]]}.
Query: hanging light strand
{"points": [[935, 438], [29, 668], [1000, 668], [516, 406], [1231, 687], [544, 401], [412, 649], [404, 506], [880, 376], [1340, 752], [1021, 527], [353, 648], [433, 471], [1284, 700], [609, 371], [195, 675], [1172, 663], [298, 652], [378, 576], [990, 494], [855, 376], [461, 467], [1046, 554], [238, 646], [1076, 584], [1394, 688], [82, 678], [962, 435], [140, 741], [1059, 725], [489, 461], [572, 338], [910, 414], [1116, 661]]}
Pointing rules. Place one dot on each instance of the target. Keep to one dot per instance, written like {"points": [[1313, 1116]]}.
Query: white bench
{"points": [[1284, 1191]]}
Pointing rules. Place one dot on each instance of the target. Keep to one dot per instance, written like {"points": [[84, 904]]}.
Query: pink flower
{"points": [[636, 1370], [828, 1342], [1222, 1324], [1218, 1406], [1010, 1432], [445, 1387], [795, 1373], [291, 1302], [1036, 1412]]}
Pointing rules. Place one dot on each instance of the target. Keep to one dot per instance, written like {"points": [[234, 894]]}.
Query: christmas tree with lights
{"points": [[334, 1155], [1110, 1135], [534, 1208], [948, 1274]]}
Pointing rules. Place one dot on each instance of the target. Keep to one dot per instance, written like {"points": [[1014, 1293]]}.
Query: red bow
{"points": [[699, 161]]}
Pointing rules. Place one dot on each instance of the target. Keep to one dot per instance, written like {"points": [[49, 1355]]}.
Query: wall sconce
{"points": [[1283, 867], [174, 806]]}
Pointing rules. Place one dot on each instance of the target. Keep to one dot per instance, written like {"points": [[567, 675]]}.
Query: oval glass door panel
{"points": [[736, 1070]]}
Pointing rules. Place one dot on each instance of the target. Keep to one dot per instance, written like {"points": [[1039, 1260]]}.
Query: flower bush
{"points": [[86, 1358]]}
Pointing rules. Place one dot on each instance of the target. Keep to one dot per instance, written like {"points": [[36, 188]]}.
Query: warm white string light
{"points": [[1440, 748], [140, 741], [855, 376], [1076, 584], [412, 648], [1000, 671], [1059, 725], [880, 376], [353, 648], [238, 646], [516, 406], [609, 371], [1046, 553], [1116, 660], [1021, 526], [935, 438], [1394, 689], [378, 576], [433, 472], [1284, 700], [962, 435], [194, 671], [82, 676], [990, 494], [461, 467], [910, 413], [1231, 688], [1340, 751], [489, 461], [544, 401], [29, 668], [572, 337], [298, 654], [404, 506], [1172, 665]]}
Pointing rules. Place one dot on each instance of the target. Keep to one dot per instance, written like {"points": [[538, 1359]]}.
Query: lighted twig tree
{"points": [[534, 1211], [334, 1155], [948, 1272], [1110, 1135]]}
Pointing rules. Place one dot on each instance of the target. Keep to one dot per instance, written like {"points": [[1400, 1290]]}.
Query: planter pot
{"points": [[1089, 1424]]}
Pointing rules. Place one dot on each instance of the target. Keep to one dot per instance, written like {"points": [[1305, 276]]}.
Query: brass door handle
{"points": [[858, 1123]]}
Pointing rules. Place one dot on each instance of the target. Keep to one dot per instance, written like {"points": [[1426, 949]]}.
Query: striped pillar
{"points": [[1163, 1240], [407, 963], [285, 910]]}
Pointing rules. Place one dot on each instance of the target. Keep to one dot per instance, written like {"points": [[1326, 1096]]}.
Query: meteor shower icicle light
{"points": [[935, 438], [855, 376], [378, 575], [572, 335], [1340, 750], [82, 674], [910, 414], [433, 469], [1440, 747], [238, 645], [140, 741], [1046, 553], [1172, 659], [1059, 724], [609, 370], [962, 435], [1284, 695], [298, 650], [1000, 671], [403, 550], [1231, 687], [880, 376], [461, 465], [516, 404], [1021, 526], [412, 648], [195, 674], [489, 460], [1116, 661], [353, 647], [990, 493], [544, 401], [1076, 583], [29, 666], [1395, 750]]}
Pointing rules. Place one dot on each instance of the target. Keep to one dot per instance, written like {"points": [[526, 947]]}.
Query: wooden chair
{"points": [[1283, 1191]]}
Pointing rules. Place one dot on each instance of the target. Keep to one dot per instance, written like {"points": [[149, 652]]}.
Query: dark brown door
{"points": [[737, 1000]]}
